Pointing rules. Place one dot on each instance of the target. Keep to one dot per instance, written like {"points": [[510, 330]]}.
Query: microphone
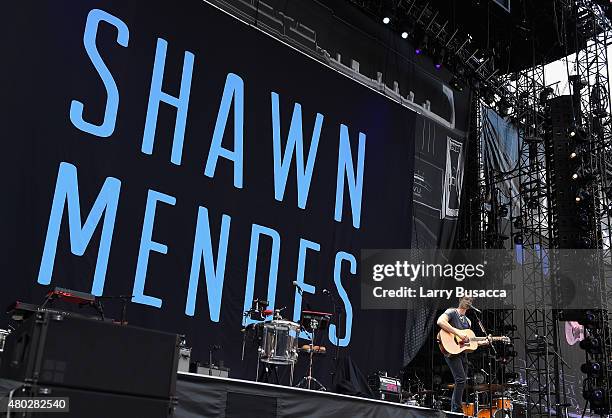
{"points": [[297, 285], [475, 308]]}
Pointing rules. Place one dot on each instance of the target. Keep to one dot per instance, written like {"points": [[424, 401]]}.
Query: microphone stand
{"points": [[490, 349], [337, 316], [552, 350], [549, 349]]}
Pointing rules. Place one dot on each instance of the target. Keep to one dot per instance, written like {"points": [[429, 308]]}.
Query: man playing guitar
{"points": [[453, 321]]}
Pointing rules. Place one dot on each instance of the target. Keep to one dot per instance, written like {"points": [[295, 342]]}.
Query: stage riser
{"points": [[203, 396]]}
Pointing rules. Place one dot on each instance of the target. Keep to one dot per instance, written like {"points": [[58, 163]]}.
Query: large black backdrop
{"points": [[46, 67]]}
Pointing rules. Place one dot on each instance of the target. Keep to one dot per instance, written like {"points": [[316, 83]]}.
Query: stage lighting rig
{"points": [[578, 133], [489, 96], [582, 176], [582, 196], [584, 220], [503, 107], [589, 319], [421, 41], [575, 152], [577, 83], [388, 12], [518, 223], [502, 210], [545, 95], [598, 398], [592, 368], [457, 83], [439, 56], [591, 345]]}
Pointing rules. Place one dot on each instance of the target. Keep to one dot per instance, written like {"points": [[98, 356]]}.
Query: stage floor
{"points": [[217, 397]]}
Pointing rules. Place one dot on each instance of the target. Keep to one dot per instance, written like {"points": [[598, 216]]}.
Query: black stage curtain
{"points": [[209, 397]]}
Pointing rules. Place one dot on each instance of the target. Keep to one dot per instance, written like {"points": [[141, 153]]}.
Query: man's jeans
{"points": [[458, 367]]}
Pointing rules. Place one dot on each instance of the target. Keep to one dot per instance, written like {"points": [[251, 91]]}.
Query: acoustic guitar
{"points": [[452, 344]]}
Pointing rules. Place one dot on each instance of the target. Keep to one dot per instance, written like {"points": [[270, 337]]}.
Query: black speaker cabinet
{"points": [[91, 404], [57, 349]]}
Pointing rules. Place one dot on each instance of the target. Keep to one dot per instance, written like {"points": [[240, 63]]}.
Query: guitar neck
{"points": [[486, 339]]}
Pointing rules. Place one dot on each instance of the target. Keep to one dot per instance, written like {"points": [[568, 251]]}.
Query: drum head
{"points": [[502, 414], [282, 323]]}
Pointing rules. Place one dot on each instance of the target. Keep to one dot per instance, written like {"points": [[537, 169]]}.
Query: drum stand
{"points": [[307, 381], [269, 370]]}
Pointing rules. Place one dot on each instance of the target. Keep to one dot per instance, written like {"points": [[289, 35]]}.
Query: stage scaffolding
{"points": [[590, 88], [527, 94]]}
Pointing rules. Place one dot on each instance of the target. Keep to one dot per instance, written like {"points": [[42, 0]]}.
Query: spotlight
{"points": [[489, 97], [460, 70], [405, 28], [582, 175], [457, 83], [578, 133], [598, 399], [583, 221], [386, 20], [421, 41], [545, 94], [592, 368], [503, 107], [585, 242], [591, 345], [588, 319], [503, 211], [582, 195], [518, 239], [438, 58]]}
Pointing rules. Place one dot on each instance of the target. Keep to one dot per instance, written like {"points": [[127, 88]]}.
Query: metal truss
{"points": [[591, 89], [470, 232], [542, 370]]}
